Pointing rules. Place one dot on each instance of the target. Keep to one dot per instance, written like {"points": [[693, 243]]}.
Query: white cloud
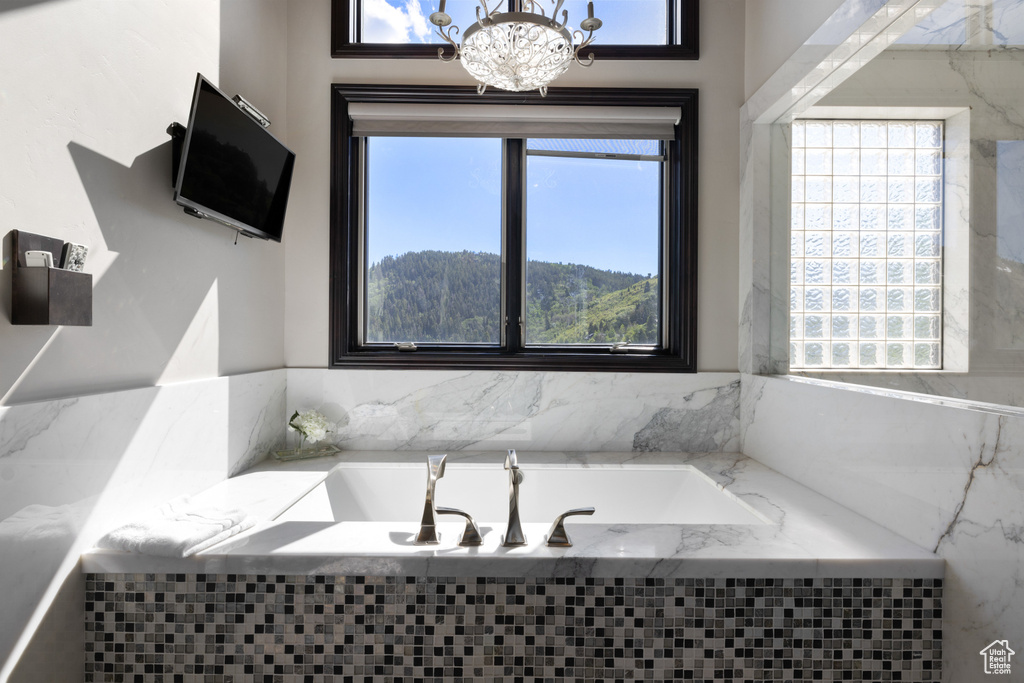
{"points": [[420, 26], [386, 23]]}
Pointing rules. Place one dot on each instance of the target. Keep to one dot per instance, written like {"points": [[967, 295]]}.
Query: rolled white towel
{"points": [[177, 529]]}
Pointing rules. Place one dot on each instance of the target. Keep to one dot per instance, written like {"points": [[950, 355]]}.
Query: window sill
{"points": [[555, 361]]}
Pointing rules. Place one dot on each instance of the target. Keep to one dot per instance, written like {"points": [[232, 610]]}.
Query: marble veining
{"points": [[449, 410], [19, 425], [697, 430], [941, 473], [980, 463]]}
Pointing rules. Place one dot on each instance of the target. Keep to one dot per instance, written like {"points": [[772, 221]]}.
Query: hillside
{"points": [[455, 297]]}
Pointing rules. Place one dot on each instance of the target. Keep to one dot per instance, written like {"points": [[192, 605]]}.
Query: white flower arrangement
{"points": [[312, 425]]}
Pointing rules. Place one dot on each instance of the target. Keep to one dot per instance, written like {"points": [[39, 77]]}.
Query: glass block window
{"points": [[866, 257]]}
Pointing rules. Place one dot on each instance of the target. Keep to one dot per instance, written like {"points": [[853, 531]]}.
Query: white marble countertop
{"points": [[807, 534]]}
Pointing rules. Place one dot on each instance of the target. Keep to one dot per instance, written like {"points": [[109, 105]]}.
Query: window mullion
{"points": [[672, 36], [361, 266], [514, 247]]}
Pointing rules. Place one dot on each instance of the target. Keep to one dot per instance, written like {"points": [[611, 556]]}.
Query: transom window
{"points": [[633, 29], [510, 248], [866, 251]]}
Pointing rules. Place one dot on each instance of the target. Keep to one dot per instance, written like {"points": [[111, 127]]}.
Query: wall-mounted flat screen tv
{"points": [[232, 169]]}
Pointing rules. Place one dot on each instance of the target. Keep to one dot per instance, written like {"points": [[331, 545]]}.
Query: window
{"points": [[485, 231], [866, 257], [633, 29]]}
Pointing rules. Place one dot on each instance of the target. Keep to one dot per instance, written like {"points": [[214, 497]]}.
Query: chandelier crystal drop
{"points": [[520, 50]]}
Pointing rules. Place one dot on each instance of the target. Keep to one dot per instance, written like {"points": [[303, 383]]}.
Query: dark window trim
{"points": [[679, 355], [344, 47]]}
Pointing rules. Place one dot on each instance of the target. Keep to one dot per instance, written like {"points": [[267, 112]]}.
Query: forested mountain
{"points": [[456, 297]]}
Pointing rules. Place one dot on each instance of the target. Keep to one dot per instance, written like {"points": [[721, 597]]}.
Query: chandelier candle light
{"points": [[520, 50]]}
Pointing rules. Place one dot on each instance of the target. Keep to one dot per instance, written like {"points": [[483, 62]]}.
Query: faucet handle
{"points": [[511, 461], [557, 535], [471, 536]]}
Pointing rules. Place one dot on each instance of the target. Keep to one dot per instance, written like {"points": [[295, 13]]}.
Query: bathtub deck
{"points": [[807, 535]]}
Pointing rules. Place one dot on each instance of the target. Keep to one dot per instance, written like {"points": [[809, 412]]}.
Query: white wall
{"points": [[774, 31], [311, 71], [88, 89]]}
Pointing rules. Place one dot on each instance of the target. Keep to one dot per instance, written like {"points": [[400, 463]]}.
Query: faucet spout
{"points": [[428, 524], [514, 535]]}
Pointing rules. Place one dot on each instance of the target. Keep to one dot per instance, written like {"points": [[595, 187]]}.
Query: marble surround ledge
{"points": [[70, 469], [806, 535], [390, 410]]}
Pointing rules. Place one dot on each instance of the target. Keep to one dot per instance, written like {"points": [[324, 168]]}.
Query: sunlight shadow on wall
{"points": [[146, 300], [9, 5], [57, 459], [198, 351]]}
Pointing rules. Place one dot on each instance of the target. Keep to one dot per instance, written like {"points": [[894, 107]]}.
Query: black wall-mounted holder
{"points": [[47, 296], [177, 133]]}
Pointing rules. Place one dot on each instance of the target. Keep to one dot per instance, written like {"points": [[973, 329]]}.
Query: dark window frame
{"points": [[345, 46], [680, 244]]}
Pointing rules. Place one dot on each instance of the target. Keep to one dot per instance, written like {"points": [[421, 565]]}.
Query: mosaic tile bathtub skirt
{"points": [[356, 629]]}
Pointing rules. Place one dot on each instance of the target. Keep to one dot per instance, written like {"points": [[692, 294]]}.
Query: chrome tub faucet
{"points": [[428, 524], [514, 532]]}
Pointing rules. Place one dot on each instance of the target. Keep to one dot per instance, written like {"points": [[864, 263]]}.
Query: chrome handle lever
{"points": [[471, 536], [557, 535]]}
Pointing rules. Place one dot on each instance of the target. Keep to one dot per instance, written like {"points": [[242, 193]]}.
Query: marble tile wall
{"points": [[70, 469], [942, 473], [545, 411], [962, 56], [851, 37], [983, 249]]}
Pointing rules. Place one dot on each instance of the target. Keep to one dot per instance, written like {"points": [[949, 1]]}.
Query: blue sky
{"points": [[639, 22], [445, 194]]}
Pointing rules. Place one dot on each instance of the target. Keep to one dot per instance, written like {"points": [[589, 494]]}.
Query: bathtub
{"points": [[329, 579], [642, 494], [665, 515]]}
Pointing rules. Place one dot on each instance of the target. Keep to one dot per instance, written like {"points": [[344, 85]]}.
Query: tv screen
{"points": [[232, 169]]}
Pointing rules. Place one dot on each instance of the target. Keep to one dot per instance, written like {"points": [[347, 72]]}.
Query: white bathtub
{"points": [[643, 494], [658, 515]]}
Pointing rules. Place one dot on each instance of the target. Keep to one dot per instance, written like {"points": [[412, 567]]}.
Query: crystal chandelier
{"points": [[519, 50]]}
